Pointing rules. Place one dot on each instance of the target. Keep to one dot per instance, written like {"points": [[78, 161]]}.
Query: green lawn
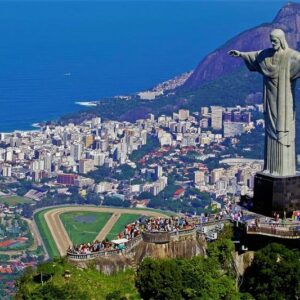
{"points": [[14, 200], [120, 224], [46, 234], [84, 226]]}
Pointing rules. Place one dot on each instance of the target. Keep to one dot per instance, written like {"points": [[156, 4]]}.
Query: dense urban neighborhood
{"points": [[184, 161]]}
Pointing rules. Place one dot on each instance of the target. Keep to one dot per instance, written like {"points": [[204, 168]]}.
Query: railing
{"points": [[132, 243], [215, 222], [92, 255], [102, 253], [183, 232], [160, 237], [290, 232]]}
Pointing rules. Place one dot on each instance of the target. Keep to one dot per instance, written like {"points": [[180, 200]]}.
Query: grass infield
{"points": [[84, 226]]}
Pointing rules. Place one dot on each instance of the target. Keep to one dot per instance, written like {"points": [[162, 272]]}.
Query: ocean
{"points": [[56, 53]]}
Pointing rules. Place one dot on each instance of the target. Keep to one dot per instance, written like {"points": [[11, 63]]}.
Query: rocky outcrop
{"points": [[106, 265], [243, 261], [182, 247], [218, 63]]}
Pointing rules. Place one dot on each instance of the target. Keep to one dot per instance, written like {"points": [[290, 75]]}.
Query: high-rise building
{"points": [[88, 140], [203, 123], [232, 129], [48, 162], [204, 111], [236, 116], [227, 116], [183, 114], [15, 142], [76, 151], [6, 170], [158, 172], [8, 154], [99, 158], [37, 165], [216, 174], [86, 165], [166, 139], [246, 117], [144, 137], [216, 117], [199, 177], [151, 117], [96, 121]]}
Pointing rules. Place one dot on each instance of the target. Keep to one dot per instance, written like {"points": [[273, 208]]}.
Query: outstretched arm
{"points": [[248, 57], [234, 53]]}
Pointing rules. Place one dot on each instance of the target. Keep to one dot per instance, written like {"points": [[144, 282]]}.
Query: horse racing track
{"points": [[61, 227]]}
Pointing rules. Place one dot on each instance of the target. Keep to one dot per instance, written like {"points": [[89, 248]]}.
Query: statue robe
{"points": [[280, 69]]}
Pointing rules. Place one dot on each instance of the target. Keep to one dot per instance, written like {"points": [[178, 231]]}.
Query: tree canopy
{"points": [[274, 274]]}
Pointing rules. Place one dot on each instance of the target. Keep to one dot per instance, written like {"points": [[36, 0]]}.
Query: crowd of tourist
{"points": [[157, 224], [88, 248], [229, 212]]}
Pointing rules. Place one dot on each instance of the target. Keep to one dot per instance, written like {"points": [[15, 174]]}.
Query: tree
{"points": [[159, 279], [221, 251], [115, 295], [93, 198], [274, 274], [145, 195], [115, 201], [190, 279]]}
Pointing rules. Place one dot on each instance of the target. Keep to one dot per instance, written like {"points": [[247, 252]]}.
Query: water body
{"points": [[85, 219], [56, 53]]}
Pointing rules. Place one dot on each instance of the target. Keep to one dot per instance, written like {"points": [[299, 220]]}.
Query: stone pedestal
{"points": [[276, 194]]}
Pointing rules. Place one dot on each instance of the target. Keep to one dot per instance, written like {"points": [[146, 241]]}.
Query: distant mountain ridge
{"points": [[218, 63]]}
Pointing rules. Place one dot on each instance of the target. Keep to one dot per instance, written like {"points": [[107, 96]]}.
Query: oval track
{"points": [[59, 233]]}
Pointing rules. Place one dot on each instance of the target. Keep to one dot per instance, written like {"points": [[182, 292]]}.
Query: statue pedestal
{"points": [[276, 194]]}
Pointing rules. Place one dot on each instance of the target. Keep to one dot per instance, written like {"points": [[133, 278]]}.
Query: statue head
{"points": [[278, 40]]}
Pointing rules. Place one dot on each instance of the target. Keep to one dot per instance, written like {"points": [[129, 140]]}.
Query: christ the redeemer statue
{"points": [[280, 67]]}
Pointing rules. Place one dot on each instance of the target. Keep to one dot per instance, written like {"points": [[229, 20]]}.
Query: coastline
{"points": [[86, 103], [160, 89]]}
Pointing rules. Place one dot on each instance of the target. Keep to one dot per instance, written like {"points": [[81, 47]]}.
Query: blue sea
{"points": [[55, 53]]}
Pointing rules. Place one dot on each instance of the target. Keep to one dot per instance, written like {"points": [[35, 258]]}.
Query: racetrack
{"points": [[58, 230]]}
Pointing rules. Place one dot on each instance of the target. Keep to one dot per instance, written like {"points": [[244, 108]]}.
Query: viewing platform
{"points": [[121, 248], [273, 230], [158, 237]]}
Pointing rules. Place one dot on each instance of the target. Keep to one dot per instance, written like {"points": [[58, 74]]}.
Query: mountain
{"points": [[219, 63], [218, 80]]}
